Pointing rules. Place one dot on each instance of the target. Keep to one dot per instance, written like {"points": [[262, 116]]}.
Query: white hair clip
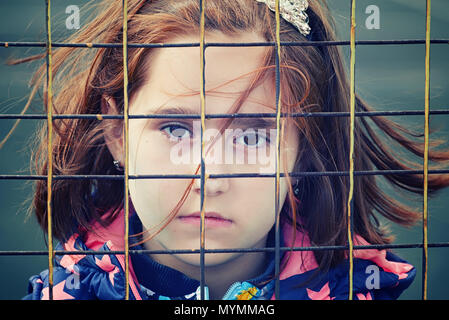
{"points": [[293, 11]]}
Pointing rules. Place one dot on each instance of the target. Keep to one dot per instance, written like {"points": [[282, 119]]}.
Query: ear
{"points": [[113, 132]]}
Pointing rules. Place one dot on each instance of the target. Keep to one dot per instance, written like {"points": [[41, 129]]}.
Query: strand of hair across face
{"points": [[49, 150], [126, 144], [351, 150], [426, 149]]}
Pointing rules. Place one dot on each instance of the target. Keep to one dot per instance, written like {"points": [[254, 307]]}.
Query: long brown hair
{"points": [[313, 79]]}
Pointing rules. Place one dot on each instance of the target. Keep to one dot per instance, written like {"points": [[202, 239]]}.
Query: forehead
{"points": [[175, 73]]}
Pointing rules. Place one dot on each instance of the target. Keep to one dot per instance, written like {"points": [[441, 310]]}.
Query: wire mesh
{"points": [[49, 117]]}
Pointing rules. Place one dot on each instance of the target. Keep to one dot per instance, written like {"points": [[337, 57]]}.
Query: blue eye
{"points": [[252, 139], [176, 131]]}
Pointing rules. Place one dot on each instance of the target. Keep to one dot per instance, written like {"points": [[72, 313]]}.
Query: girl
{"points": [[239, 212]]}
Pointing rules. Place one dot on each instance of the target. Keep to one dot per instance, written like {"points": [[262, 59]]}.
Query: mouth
{"points": [[211, 219]]}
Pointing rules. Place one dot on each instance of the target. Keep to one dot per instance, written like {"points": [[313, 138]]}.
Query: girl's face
{"points": [[239, 211]]}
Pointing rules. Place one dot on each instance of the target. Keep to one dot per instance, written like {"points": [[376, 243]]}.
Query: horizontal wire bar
{"points": [[226, 115], [8, 44], [218, 176], [331, 43], [231, 250], [96, 45]]}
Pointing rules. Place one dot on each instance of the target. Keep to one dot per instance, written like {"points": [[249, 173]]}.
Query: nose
{"points": [[212, 186]]}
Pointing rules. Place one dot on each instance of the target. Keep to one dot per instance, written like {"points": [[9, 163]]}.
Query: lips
{"points": [[211, 219]]}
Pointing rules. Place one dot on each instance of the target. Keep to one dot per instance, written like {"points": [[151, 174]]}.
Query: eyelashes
{"points": [[253, 139], [250, 138], [177, 131]]}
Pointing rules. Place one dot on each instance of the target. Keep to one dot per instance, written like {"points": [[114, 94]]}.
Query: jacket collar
{"points": [[392, 274]]}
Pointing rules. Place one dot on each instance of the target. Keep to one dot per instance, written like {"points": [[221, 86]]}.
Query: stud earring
{"points": [[296, 188], [117, 165]]}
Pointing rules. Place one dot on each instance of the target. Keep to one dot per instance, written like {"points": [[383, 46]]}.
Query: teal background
{"points": [[389, 77]]}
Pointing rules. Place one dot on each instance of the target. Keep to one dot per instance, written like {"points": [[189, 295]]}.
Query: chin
{"points": [[210, 259]]}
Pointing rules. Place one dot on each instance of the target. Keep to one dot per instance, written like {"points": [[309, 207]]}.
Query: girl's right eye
{"points": [[176, 131]]}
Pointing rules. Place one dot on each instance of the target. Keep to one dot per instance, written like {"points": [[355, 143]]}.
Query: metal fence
{"points": [[277, 249]]}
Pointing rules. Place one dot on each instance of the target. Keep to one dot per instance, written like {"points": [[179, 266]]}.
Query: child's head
{"points": [[246, 205], [238, 80]]}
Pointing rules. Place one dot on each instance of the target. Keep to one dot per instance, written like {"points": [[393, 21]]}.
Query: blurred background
{"points": [[389, 77]]}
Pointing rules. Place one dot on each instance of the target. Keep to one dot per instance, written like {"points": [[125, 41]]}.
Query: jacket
{"points": [[377, 274]]}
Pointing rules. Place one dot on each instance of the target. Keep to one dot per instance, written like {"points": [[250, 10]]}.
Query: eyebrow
{"points": [[250, 122], [254, 123]]}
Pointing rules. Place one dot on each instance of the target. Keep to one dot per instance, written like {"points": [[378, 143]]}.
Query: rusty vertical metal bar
{"points": [[351, 150], [203, 128], [426, 152], [126, 143], [277, 253], [49, 106]]}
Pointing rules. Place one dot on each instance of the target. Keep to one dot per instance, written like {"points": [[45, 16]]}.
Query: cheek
{"points": [[149, 152], [259, 203], [170, 193], [152, 200], [145, 198]]}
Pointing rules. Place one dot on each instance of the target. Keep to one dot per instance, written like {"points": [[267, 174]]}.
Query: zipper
{"points": [[229, 295], [231, 290], [206, 293]]}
